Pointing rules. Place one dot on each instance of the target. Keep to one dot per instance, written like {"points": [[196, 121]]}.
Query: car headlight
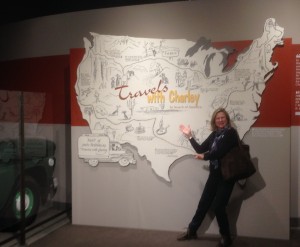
{"points": [[51, 161]]}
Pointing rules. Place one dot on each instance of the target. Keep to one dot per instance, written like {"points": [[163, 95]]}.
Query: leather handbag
{"points": [[237, 163]]}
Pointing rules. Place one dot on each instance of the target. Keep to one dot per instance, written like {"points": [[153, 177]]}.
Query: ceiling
{"points": [[15, 11]]}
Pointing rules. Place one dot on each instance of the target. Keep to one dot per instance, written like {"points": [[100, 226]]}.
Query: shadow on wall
{"points": [[243, 190]]}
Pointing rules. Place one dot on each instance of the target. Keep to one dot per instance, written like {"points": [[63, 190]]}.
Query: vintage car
{"points": [[40, 184], [99, 148]]}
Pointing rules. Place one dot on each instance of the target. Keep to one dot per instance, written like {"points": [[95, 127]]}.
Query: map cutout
{"points": [[138, 91]]}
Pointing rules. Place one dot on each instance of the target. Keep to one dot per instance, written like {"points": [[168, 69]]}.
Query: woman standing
{"points": [[217, 191]]}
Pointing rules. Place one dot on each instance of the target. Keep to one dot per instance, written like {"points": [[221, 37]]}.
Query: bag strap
{"points": [[238, 138]]}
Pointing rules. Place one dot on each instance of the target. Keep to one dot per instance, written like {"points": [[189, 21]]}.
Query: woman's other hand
{"points": [[199, 156]]}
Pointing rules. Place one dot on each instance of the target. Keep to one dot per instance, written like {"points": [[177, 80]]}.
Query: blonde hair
{"points": [[213, 117]]}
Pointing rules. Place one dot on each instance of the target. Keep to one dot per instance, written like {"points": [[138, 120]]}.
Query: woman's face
{"points": [[221, 120]]}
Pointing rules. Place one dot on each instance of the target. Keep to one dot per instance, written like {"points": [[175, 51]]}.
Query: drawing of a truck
{"points": [[95, 148]]}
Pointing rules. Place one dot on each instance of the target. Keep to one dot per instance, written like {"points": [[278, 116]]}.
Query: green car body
{"points": [[39, 182]]}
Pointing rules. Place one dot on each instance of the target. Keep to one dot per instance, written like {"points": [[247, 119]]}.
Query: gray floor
{"points": [[89, 236]]}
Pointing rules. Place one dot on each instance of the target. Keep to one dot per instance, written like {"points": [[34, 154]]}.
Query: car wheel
{"points": [[32, 204], [123, 162], [93, 162]]}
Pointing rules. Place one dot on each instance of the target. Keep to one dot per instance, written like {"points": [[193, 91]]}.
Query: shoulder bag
{"points": [[237, 163]]}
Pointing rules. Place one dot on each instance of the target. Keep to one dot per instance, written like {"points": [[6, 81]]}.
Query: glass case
{"points": [[34, 164]]}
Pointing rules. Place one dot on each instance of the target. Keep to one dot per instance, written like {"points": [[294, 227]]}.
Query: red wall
{"points": [[56, 76], [50, 75]]}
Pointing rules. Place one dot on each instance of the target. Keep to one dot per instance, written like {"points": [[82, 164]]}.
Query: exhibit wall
{"points": [[243, 56]]}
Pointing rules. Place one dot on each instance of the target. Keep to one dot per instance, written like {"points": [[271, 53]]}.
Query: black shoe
{"points": [[188, 235], [225, 242]]}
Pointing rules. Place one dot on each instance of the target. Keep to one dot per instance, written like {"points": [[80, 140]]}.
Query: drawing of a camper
{"points": [[99, 148]]}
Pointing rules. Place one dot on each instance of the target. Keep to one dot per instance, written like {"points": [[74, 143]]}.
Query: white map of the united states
{"points": [[138, 90]]}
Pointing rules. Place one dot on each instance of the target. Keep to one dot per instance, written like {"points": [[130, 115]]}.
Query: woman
{"points": [[217, 191]]}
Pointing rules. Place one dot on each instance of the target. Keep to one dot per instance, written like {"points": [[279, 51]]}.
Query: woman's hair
{"points": [[213, 117]]}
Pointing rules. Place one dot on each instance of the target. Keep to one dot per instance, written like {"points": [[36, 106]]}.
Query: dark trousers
{"points": [[216, 194]]}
